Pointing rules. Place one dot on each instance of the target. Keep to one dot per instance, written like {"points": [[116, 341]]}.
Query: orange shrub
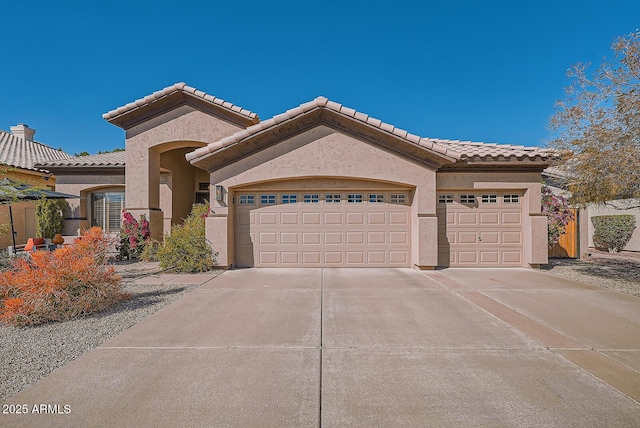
{"points": [[71, 281]]}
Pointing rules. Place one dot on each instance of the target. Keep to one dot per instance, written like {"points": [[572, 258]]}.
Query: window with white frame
{"points": [[376, 198], [445, 199], [289, 199], [511, 199], [106, 210], [398, 198], [267, 199], [467, 199], [332, 198], [310, 198], [247, 199], [489, 199], [354, 198]]}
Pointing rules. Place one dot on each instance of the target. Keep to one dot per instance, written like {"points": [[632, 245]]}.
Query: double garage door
{"points": [[329, 228], [480, 229]]}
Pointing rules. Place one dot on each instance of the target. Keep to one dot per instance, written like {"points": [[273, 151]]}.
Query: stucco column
{"points": [[219, 233], [538, 251], [142, 177], [428, 241]]}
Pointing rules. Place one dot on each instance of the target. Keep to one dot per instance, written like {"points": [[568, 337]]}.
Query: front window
{"points": [[106, 211]]}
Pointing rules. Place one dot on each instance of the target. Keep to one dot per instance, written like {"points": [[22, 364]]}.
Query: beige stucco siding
{"points": [[181, 130], [77, 211]]}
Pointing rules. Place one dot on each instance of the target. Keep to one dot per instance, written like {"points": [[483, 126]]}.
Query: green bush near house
{"points": [[49, 217], [187, 250], [612, 232]]}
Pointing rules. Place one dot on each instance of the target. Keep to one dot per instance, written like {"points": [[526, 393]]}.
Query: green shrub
{"points": [[49, 217], [187, 250], [150, 251], [612, 232]]}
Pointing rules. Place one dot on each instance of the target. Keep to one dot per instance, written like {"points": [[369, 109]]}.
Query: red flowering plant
{"points": [[134, 236], [556, 208], [72, 281]]}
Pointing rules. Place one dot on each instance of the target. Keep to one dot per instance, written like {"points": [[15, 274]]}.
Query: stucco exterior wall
{"points": [[326, 153], [145, 144], [77, 211], [595, 210]]}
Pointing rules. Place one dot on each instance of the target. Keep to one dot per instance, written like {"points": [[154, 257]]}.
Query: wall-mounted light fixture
{"points": [[219, 193]]}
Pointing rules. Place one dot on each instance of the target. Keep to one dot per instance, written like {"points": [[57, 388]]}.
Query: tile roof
{"points": [[21, 153], [113, 159], [322, 102], [471, 150], [453, 149], [178, 87]]}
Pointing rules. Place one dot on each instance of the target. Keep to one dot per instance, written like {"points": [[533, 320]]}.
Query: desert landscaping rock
{"points": [[28, 354]]}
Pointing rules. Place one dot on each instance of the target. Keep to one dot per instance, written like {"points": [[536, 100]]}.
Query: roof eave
{"points": [[173, 97], [321, 111]]}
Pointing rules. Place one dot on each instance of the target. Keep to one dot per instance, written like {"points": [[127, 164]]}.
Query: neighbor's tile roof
{"points": [[454, 149], [178, 87], [471, 150], [114, 159], [20, 153]]}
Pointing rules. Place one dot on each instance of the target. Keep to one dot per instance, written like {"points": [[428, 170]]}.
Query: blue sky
{"points": [[483, 71]]}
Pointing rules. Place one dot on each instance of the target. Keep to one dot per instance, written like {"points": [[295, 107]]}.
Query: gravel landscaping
{"points": [[27, 354], [619, 272]]}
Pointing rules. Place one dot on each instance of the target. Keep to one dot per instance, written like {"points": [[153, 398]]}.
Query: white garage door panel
{"points": [[322, 233], [480, 232]]}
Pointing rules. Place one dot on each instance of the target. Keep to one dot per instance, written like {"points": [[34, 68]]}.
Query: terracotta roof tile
{"points": [[21, 153], [182, 87], [114, 159], [454, 149]]}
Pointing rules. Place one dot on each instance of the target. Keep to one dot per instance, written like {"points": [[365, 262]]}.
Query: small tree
{"points": [[596, 128], [49, 217], [556, 208], [187, 249]]}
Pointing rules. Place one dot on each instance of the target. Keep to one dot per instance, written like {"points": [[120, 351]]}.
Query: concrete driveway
{"points": [[361, 347]]}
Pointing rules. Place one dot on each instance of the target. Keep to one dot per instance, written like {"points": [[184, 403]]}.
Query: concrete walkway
{"points": [[361, 347]]}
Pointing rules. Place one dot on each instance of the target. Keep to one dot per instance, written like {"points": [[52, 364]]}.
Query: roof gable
{"points": [[321, 111], [172, 97]]}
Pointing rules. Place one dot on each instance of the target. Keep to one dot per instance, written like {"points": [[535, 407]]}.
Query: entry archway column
{"points": [[142, 177]]}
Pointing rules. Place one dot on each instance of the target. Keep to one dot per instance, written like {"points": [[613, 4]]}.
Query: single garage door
{"points": [[480, 228], [322, 229]]}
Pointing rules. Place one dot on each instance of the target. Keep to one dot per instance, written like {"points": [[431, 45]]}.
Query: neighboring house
{"points": [[19, 153], [99, 181], [583, 232], [319, 185]]}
